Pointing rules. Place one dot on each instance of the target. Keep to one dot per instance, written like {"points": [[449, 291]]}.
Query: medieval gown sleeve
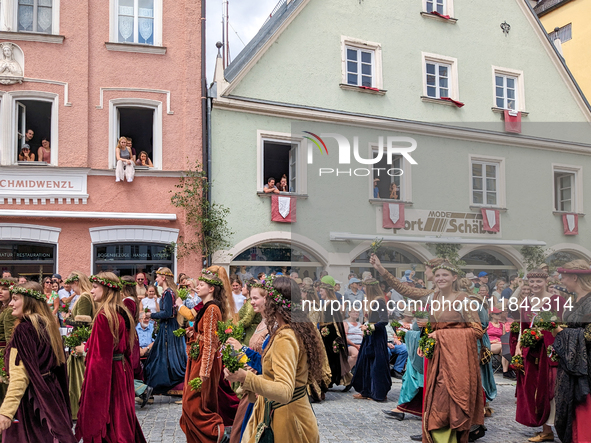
{"points": [[189, 314], [9, 321], [165, 308], [285, 351], [19, 381], [403, 289], [209, 340]]}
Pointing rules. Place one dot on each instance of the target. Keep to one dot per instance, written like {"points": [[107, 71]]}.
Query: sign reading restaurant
{"points": [[442, 223]]}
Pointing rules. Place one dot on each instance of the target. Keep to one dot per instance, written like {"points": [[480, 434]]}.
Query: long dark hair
{"points": [[298, 320]]}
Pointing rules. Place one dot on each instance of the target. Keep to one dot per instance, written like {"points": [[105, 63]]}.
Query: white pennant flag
{"points": [[570, 219], [394, 212], [491, 216], [284, 206]]}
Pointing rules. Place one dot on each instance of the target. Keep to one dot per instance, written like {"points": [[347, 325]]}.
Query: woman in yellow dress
{"points": [[291, 361]]}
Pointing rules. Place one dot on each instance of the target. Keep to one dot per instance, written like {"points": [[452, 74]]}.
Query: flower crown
{"points": [[5, 282], [127, 283], [105, 282], [370, 282], [537, 275], [28, 292], [447, 268], [163, 272], [210, 278], [72, 279]]}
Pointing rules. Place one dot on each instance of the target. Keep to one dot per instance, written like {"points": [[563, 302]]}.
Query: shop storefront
{"points": [[32, 260], [131, 258]]}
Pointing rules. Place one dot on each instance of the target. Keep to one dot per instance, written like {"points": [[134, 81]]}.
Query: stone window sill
{"points": [[32, 37], [438, 18], [478, 208], [135, 47], [379, 201], [33, 163], [438, 101], [375, 91], [282, 194], [501, 111], [565, 212]]}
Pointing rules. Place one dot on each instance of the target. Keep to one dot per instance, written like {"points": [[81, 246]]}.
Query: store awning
{"points": [[347, 236]]}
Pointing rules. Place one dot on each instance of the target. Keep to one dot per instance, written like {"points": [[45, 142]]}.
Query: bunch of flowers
{"points": [[325, 332], [420, 314], [427, 346], [375, 246], [180, 332], [64, 307], [370, 329], [3, 373], [401, 335], [194, 351], [531, 338], [546, 320], [517, 363], [395, 325], [514, 328], [335, 347], [77, 337], [551, 353], [227, 329], [195, 384], [183, 293], [232, 359]]}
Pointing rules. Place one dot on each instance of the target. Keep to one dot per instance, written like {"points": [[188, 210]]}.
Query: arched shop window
{"points": [[395, 260], [559, 258], [489, 261], [32, 260], [131, 258], [278, 257]]}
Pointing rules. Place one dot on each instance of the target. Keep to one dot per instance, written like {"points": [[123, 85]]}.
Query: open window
{"points": [[568, 185], [280, 158], [33, 121], [390, 180], [137, 124]]}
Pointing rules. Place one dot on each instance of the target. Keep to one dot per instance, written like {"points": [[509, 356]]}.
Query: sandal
{"points": [[360, 397]]}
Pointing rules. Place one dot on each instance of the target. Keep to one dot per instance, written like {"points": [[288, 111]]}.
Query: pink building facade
{"points": [[81, 74]]}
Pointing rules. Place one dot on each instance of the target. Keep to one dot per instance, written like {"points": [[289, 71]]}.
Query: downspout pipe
{"points": [[205, 113]]}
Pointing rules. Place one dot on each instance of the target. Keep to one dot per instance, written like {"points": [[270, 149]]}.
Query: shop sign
{"points": [[445, 224], [54, 184]]}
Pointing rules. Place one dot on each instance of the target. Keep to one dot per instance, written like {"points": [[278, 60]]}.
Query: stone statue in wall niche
{"points": [[11, 71]]}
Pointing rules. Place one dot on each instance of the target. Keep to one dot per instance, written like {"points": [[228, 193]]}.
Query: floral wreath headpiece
{"points": [[163, 272], [210, 278], [28, 292], [71, 279], [537, 275], [373, 281], [5, 282], [128, 283], [277, 297], [574, 271], [447, 268], [105, 282]]}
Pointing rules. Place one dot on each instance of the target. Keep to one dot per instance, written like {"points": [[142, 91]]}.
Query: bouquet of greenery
{"points": [[325, 332], [64, 307], [3, 373], [183, 293], [427, 346], [180, 332], [395, 325], [401, 335], [514, 328], [77, 337], [420, 314], [531, 338], [375, 246], [194, 351], [370, 329], [232, 359], [517, 363], [546, 320], [195, 384], [551, 353], [227, 329]]}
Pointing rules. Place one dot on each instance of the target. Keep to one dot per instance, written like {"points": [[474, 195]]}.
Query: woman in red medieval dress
{"points": [[107, 402]]}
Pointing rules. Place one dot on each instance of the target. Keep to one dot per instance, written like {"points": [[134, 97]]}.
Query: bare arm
{"points": [[118, 154]]}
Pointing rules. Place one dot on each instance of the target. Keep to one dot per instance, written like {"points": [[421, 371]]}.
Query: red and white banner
{"points": [[393, 216], [570, 222], [512, 121], [283, 209], [491, 220]]}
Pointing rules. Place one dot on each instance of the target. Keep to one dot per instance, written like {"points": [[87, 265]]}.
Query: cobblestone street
{"points": [[346, 420]]}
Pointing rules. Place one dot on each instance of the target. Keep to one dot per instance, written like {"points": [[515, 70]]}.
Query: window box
{"points": [[363, 89], [361, 64]]}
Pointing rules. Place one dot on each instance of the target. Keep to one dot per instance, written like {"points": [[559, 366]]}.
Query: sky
{"points": [[246, 18]]}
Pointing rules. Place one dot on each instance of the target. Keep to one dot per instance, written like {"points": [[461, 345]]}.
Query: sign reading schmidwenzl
{"points": [[445, 223], [43, 183]]}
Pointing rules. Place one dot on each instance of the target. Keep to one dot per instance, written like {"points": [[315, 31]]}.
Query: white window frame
{"points": [[520, 84], [453, 82], [405, 193], [9, 18], [301, 166], [499, 162], [156, 106], [376, 48], [577, 198], [448, 7], [8, 122], [114, 23]]}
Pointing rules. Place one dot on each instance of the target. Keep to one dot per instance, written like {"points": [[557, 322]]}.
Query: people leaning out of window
{"points": [[44, 151], [125, 163], [394, 191], [270, 187], [144, 160], [282, 186], [26, 155]]}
